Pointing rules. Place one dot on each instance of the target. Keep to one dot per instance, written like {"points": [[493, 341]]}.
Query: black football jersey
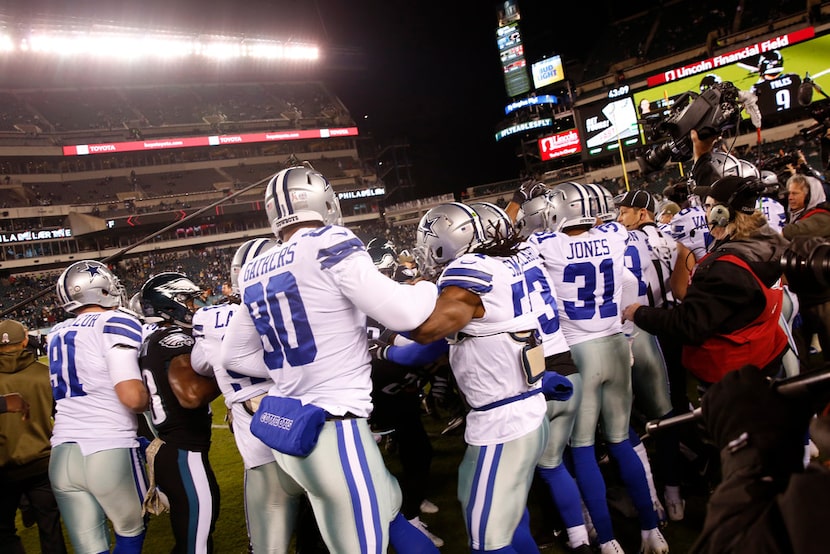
{"points": [[777, 95], [188, 429]]}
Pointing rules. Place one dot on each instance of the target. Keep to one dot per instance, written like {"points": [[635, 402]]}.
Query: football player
{"points": [[180, 409], [775, 89], [304, 325], [651, 256], [486, 307], [587, 266], [538, 216], [240, 392], [396, 399], [95, 467]]}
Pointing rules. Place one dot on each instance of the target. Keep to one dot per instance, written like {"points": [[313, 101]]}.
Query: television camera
{"points": [[710, 113]]}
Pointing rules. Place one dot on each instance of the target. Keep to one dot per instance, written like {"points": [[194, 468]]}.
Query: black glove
{"points": [[377, 349], [743, 410], [527, 190]]}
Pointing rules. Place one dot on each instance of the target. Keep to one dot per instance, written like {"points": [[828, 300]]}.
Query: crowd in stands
{"points": [[75, 110], [662, 29]]}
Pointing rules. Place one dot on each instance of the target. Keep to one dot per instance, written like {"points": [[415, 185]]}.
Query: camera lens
{"points": [[656, 158]]}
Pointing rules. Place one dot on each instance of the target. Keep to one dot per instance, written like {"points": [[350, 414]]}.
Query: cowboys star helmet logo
{"points": [[427, 226], [93, 271]]}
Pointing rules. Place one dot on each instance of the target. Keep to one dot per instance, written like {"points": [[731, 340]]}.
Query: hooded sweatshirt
{"points": [[24, 445]]}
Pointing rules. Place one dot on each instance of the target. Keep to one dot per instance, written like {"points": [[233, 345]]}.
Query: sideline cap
{"points": [[637, 199], [11, 332]]}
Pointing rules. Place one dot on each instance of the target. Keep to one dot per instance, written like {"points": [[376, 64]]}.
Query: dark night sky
{"points": [[433, 74]]}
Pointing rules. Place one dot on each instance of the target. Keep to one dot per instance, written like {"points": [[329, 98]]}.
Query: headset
{"points": [[723, 213]]}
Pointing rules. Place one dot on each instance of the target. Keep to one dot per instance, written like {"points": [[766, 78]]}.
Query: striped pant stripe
{"points": [[199, 499], [481, 496], [361, 487]]}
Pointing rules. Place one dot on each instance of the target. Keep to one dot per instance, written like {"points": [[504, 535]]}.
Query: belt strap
{"points": [[508, 400]]}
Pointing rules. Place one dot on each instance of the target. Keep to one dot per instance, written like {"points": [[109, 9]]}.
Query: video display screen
{"points": [[606, 124], [513, 63], [773, 69], [561, 144]]}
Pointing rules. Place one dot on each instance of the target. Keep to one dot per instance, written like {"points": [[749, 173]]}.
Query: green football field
{"points": [[230, 535]]}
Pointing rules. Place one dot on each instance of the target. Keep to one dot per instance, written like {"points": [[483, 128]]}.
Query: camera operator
{"points": [[729, 316], [809, 217]]}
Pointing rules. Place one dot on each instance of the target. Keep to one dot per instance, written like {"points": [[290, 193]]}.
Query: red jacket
{"points": [[758, 344]]}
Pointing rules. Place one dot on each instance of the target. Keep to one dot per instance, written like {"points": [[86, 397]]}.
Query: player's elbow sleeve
{"points": [[407, 307]]}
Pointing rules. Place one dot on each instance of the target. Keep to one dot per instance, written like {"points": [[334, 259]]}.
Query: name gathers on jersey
{"points": [[589, 249], [274, 260]]}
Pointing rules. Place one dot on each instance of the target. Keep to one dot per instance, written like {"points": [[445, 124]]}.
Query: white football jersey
{"points": [[775, 213], [588, 273], [638, 261], [303, 318], [88, 411], [486, 359], [209, 326], [663, 250], [689, 228], [549, 324]]}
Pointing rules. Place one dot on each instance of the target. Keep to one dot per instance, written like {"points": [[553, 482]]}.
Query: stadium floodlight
{"points": [[6, 43], [131, 45], [220, 50]]}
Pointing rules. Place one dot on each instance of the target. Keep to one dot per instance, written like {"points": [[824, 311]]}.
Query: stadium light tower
{"points": [[134, 45]]}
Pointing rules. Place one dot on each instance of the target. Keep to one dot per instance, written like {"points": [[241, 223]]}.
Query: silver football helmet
{"points": [[603, 207], [496, 222], [134, 305], [748, 170], [571, 205], [725, 164], [89, 282], [446, 232], [245, 253], [538, 215], [299, 194]]}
